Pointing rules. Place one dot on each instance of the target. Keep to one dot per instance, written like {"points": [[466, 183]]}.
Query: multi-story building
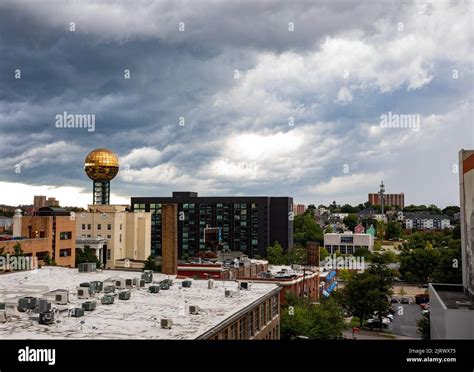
{"points": [[452, 305], [248, 224], [299, 209], [115, 233], [201, 310], [52, 202], [49, 231], [347, 242], [393, 200], [426, 221]]}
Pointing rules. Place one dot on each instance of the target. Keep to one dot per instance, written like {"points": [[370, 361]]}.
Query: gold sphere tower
{"points": [[101, 166]]}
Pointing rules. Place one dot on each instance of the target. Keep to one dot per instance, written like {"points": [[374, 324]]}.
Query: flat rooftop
{"points": [[453, 296], [137, 318]]}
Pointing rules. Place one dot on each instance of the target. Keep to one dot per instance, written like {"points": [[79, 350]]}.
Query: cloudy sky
{"points": [[237, 98]]}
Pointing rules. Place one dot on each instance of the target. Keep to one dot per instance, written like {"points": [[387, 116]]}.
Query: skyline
{"points": [[226, 99]]}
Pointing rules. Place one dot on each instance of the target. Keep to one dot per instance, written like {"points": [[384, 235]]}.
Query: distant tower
{"points": [[381, 193], [101, 166]]}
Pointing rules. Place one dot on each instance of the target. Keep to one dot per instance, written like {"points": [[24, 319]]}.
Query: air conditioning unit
{"points": [[166, 323], [187, 283], [46, 318], [164, 286], [89, 286], [167, 281], [148, 276], [98, 285], [43, 306], [89, 305], [128, 283], [194, 309], [83, 293], [124, 295], [141, 283], [120, 283], [2, 305], [61, 298], [136, 282], [244, 285], [210, 284], [87, 267], [26, 303], [77, 312], [109, 289], [3, 316], [229, 293], [107, 300], [154, 288]]}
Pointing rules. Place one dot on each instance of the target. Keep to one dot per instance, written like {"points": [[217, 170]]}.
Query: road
{"points": [[404, 323]]}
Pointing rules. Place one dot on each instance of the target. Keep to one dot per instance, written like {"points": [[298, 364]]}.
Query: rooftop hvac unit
{"points": [[98, 285], [166, 323], [186, 284], [167, 281], [142, 283], [244, 285], [3, 316], [44, 305], [2, 305], [148, 276], [77, 312], [26, 303], [154, 288], [87, 267], [128, 283], [88, 305], [136, 282], [90, 285], [124, 295], [210, 284], [229, 293], [164, 286], [194, 309], [109, 289], [46, 318], [61, 298], [83, 293], [120, 283], [107, 300]]}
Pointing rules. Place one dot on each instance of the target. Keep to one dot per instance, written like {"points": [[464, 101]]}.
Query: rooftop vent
{"points": [[186, 283], [166, 323], [194, 310], [210, 284], [244, 286]]}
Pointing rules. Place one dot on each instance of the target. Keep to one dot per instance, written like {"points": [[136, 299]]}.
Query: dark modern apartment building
{"points": [[248, 224]]}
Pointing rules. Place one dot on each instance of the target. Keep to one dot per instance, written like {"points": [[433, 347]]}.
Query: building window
{"points": [[83, 226], [99, 226], [251, 325], [109, 226], [88, 226], [65, 252], [120, 226], [274, 306], [109, 236], [109, 254], [65, 235], [120, 238], [242, 324], [233, 331]]}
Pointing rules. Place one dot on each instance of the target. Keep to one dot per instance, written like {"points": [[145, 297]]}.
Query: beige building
{"points": [[347, 242], [119, 237]]}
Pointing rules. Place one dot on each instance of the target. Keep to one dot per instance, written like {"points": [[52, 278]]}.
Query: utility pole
{"points": [[381, 193]]}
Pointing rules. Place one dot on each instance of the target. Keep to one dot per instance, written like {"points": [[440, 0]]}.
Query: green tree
{"points": [[350, 221], [150, 264], [87, 255], [275, 255], [448, 269], [381, 228], [391, 257], [306, 229], [457, 231], [394, 230], [300, 317], [417, 265], [297, 255], [17, 250], [323, 253], [377, 245], [423, 327]]}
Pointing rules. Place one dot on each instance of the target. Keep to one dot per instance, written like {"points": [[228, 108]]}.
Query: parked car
{"points": [[405, 300], [372, 323], [394, 300]]}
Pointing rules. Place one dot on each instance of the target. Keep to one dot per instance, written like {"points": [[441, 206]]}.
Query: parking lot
{"points": [[404, 322]]}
